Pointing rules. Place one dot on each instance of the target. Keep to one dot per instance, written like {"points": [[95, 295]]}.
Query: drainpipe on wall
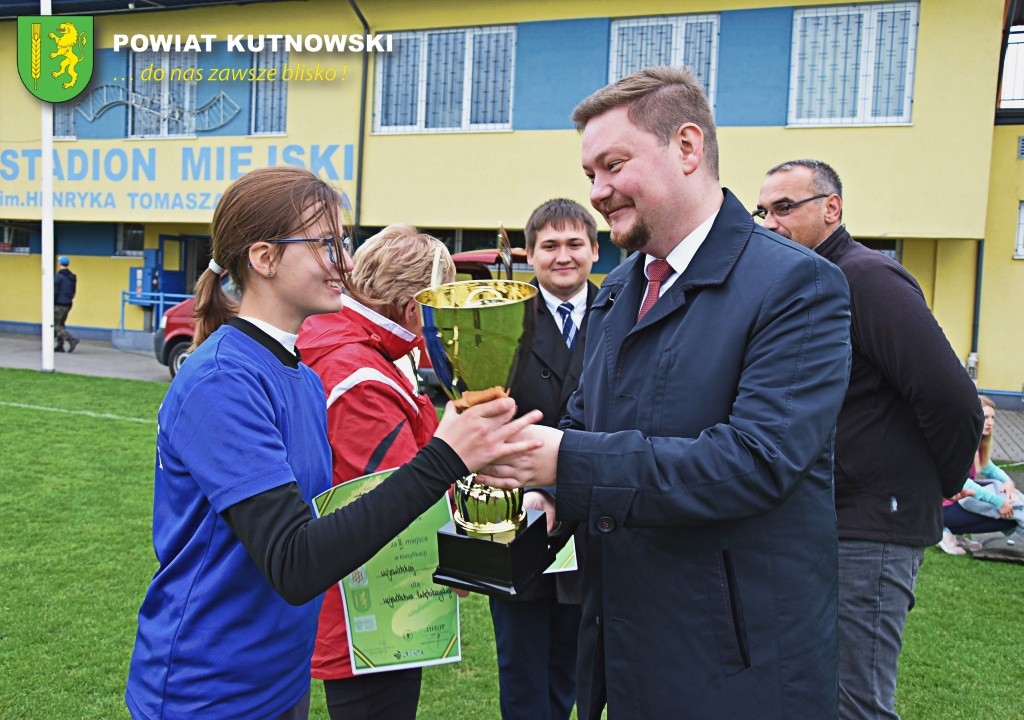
{"points": [[972, 358], [362, 126]]}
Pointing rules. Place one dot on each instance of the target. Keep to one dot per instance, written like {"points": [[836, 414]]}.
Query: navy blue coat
{"points": [[705, 482]]}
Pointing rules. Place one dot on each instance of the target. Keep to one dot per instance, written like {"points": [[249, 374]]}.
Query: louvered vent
{"points": [[1020, 147]]}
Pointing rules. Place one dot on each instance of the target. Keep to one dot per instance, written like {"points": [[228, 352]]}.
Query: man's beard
{"points": [[635, 239]]}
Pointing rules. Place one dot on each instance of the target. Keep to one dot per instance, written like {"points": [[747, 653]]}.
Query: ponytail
{"points": [[213, 307]]}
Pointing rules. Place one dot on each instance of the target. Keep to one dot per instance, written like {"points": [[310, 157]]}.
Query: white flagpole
{"points": [[46, 255]]}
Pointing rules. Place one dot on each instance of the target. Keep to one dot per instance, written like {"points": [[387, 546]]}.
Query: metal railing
{"points": [[157, 301]]}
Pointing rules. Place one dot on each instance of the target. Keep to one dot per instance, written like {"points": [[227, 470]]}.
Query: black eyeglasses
{"points": [[329, 242], [782, 209]]}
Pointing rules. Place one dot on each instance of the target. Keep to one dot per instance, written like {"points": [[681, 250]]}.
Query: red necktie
{"points": [[657, 273]]}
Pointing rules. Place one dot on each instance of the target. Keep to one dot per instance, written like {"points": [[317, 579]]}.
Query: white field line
{"points": [[85, 413]]}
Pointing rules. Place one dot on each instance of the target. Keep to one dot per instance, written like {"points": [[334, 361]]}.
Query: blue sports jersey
{"points": [[215, 639]]}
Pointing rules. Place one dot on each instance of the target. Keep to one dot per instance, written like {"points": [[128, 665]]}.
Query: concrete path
{"points": [[91, 357]]}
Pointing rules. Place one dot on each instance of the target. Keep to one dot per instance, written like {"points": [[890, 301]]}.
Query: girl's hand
{"points": [[486, 433]]}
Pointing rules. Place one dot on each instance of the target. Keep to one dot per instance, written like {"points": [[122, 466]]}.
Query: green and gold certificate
{"points": [[396, 616]]}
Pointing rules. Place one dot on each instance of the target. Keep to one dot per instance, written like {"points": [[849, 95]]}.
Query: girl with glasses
{"points": [[227, 626]]}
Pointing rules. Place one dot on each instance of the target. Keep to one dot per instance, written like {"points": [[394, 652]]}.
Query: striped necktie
{"points": [[568, 327]]}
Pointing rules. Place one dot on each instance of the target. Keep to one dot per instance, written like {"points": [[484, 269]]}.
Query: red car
{"points": [[172, 341]]}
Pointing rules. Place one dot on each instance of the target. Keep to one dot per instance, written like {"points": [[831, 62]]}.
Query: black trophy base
{"points": [[491, 567]]}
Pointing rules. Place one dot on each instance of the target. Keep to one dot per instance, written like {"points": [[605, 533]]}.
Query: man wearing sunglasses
{"points": [[905, 438]]}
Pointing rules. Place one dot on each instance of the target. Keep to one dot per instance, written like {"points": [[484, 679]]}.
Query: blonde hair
{"points": [[262, 205], [985, 446], [391, 231], [394, 265]]}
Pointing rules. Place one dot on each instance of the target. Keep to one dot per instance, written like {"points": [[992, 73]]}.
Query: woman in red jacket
{"points": [[365, 356]]}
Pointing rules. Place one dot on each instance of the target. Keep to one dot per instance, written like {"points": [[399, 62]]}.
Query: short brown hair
{"points": [[559, 213], [659, 100], [394, 265]]}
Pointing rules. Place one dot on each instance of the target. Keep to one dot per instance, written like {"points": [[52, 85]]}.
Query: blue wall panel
{"points": [[753, 67], [85, 238], [608, 254], [557, 64], [35, 241]]}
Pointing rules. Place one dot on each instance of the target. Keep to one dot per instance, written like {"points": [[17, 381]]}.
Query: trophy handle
{"points": [[436, 270], [505, 252]]}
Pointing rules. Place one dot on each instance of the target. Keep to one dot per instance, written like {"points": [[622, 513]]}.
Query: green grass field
{"points": [[75, 557]]}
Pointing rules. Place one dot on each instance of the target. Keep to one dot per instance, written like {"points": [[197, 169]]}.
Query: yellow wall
{"points": [[1001, 341], [471, 179], [97, 299], [919, 259], [945, 270], [953, 301]]}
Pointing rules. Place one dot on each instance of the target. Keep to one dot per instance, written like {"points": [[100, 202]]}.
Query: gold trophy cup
{"points": [[472, 332]]}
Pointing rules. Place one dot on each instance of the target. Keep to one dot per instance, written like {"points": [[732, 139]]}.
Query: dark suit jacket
{"points": [[705, 482], [545, 377]]}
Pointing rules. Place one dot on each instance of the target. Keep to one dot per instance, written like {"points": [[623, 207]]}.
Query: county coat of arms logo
{"points": [[55, 58]]}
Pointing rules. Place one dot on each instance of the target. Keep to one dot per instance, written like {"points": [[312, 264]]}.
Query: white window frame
{"points": [[268, 59], [138, 62], [1018, 253], [679, 24], [1011, 93], [866, 60], [122, 233], [422, 37]]}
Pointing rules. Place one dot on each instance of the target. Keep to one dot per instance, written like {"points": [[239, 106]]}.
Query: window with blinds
{"points": [[690, 40], [853, 64], [445, 80], [161, 103], [269, 99], [64, 121]]}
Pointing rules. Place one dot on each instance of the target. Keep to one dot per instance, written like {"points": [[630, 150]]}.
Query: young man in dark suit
{"points": [[537, 634]]}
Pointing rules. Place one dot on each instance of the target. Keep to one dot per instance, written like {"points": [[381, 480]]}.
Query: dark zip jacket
{"points": [[911, 421]]}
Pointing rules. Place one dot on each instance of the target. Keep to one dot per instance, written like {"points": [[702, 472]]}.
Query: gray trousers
{"points": [[876, 592]]}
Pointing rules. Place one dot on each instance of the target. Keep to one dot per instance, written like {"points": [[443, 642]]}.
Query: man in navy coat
{"points": [[537, 634], [698, 452]]}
